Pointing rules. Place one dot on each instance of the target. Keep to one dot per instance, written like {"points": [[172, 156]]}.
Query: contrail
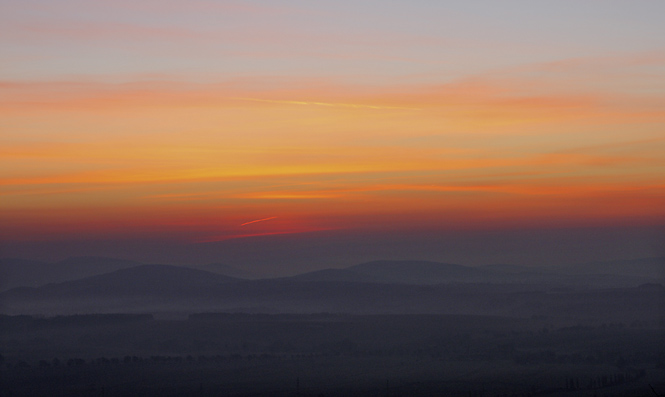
{"points": [[258, 220]]}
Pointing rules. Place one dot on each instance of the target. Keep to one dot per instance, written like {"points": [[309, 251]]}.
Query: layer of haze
{"points": [[315, 133]]}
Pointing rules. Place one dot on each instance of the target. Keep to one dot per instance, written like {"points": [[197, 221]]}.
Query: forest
{"points": [[326, 354]]}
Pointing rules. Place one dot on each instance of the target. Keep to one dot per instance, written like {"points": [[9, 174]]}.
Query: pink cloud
{"points": [[85, 31], [152, 7]]}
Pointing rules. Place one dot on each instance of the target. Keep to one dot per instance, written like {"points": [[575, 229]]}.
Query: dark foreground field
{"points": [[326, 354]]}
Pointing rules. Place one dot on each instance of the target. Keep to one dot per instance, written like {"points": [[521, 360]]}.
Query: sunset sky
{"points": [[235, 128]]}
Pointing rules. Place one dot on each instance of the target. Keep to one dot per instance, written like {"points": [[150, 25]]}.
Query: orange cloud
{"points": [[165, 155]]}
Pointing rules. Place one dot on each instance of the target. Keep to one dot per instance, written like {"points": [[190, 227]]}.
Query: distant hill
{"points": [[430, 273], [26, 273], [643, 267], [512, 269], [400, 272], [141, 280], [172, 289], [421, 272], [373, 287], [137, 289], [16, 272], [228, 270], [336, 275]]}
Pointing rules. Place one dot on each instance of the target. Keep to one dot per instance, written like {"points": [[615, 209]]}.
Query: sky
{"points": [[291, 135]]}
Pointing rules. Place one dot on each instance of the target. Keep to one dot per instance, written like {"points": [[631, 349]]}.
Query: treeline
{"points": [[595, 358], [607, 380], [10, 323], [139, 360], [129, 374], [526, 359]]}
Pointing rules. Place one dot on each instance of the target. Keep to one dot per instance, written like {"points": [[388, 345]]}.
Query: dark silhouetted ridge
{"points": [[26, 273], [336, 275], [142, 280], [420, 272], [644, 267], [227, 270]]}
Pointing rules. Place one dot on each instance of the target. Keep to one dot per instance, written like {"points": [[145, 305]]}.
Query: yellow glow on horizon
{"points": [[493, 150]]}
